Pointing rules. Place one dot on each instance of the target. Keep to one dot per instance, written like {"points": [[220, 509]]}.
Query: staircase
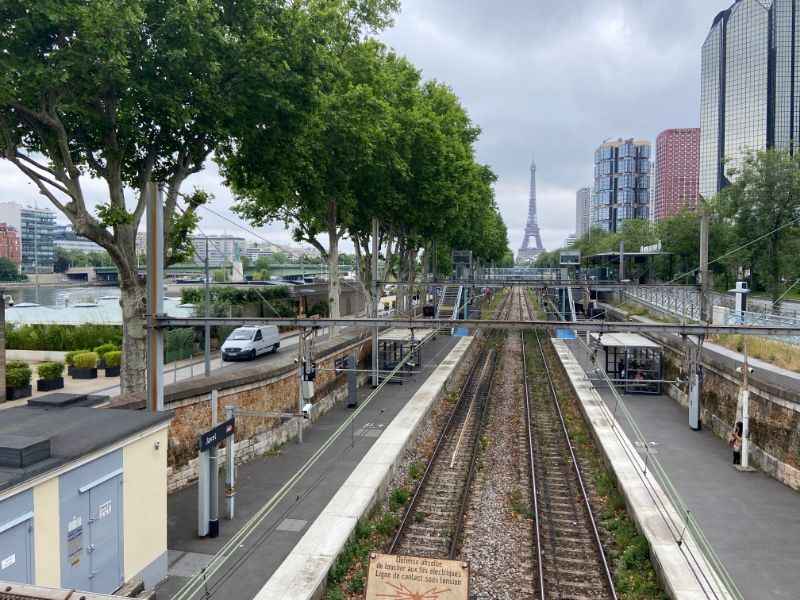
{"points": [[449, 303]]}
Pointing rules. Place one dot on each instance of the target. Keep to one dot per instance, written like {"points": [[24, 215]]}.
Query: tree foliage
{"points": [[136, 91], [763, 204]]}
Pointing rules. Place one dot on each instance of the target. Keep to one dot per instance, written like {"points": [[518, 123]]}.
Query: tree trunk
{"points": [[134, 335], [333, 268]]}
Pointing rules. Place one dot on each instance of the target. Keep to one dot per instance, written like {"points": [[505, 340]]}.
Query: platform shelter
{"points": [[633, 362]]}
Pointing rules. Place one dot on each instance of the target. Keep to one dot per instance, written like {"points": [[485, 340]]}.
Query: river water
{"points": [[56, 295]]}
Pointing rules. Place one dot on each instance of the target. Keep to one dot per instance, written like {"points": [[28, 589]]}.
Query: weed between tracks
{"points": [[347, 578], [627, 551]]}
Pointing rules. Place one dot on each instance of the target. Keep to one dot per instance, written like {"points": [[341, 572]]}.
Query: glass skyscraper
{"points": [[749, 86], [621, 183]]}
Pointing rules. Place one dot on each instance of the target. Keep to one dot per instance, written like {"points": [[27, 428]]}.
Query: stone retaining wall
{"points": [[268, 387], [774, 410]]}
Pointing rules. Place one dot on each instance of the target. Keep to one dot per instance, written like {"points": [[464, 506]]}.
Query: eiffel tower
{"points": [[529, 252]]}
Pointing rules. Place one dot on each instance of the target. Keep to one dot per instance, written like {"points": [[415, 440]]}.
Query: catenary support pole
{"points": [[300, 367], [213, 483], [230, 475], [704, 316], [155, 297], [745, 410], [375, 232], [207, 344]]}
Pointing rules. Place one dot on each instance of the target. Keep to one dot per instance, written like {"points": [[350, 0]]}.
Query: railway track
{"points": [[431, 526], [571, 560]]}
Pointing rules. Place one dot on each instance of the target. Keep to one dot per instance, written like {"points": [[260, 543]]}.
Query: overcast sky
{"points": [[549, 77]]}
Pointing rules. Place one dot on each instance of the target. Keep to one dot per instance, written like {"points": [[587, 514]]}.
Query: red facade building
{"points": [[10, 247], [677, 171]]}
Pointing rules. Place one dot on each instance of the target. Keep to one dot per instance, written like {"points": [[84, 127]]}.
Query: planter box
{"points": [[48, 385], [84, 373], [18, 392], [101, 364], [112, 371], [70, 368]]}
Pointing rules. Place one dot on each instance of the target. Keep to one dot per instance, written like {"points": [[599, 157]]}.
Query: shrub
{"points": [[113, 358], [50, 370], [85, 360], [69, 357], [16, 364], [103, 348], [18, 377], [62, 337]]}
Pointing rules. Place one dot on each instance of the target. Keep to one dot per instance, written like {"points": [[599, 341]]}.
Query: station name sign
{"points": [[214, 436]]}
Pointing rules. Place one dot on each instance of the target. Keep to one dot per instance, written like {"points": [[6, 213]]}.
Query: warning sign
{"points": [[74, 541], [412, 577]]}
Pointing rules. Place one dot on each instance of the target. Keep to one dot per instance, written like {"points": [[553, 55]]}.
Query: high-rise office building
{"points": [[583, 202], [621, 183], [749, 95], [677, 171], [35, 227]]}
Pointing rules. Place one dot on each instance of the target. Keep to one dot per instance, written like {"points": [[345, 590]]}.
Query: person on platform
{"points": [[735, 443]]}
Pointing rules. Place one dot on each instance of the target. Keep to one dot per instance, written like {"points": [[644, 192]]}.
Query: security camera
{"points": [[307, 410], [749, 370], [296, 360]]}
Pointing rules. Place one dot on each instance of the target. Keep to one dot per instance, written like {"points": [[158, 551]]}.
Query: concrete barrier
{"points": [[35, 355]]}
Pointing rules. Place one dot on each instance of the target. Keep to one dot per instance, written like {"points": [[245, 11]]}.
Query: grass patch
{"points": [[775, 352], [518, 504]]}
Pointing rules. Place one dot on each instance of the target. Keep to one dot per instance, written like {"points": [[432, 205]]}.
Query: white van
{"points": [[248, 342]]}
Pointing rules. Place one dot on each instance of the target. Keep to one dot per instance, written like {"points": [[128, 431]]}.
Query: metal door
{"points": [[105, 560], [16, 556]]}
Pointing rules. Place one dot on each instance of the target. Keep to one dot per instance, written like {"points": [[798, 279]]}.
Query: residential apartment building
{"points": [[222, 249], [35, 227], [749, 97], [10, 246], [677, 171], [583, 202], [621, 183]]}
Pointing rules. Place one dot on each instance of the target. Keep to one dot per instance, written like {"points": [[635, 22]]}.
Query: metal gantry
{"points": [[595, 326]]}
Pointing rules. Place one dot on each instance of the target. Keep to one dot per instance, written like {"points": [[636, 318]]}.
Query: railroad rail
{"points": [[432, 524], [570, 555]]}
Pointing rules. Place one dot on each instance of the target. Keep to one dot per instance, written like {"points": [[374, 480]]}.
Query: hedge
{"points": [[18, 376], [113, 358], [235, 296], [50, 370], [62, 337], [69, 357], [103, 348], [85, 360], [178, 344]]}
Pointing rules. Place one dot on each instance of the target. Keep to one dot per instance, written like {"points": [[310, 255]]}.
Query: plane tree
{"points": [[312, 185], [129, 92]]}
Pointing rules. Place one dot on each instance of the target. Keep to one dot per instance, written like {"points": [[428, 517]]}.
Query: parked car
{"points": [[249, 342]]}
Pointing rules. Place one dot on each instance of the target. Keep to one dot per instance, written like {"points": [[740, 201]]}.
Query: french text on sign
{"points": [[409, 577]]}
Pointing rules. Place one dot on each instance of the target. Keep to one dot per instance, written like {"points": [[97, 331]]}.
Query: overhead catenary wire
{"points": [[671, 491]]}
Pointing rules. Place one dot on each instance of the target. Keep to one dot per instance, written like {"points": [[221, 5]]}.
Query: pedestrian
{"points": [[621, 369], [735, 443]]}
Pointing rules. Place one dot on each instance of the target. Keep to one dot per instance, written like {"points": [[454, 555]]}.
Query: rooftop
{"points": [[72, 433]]}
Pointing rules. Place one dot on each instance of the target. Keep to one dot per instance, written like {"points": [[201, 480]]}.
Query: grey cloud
{"points": [[556, 78]]}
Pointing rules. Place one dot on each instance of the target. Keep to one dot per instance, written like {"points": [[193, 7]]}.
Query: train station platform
{"points": [[252, 561], [751, 520]]}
